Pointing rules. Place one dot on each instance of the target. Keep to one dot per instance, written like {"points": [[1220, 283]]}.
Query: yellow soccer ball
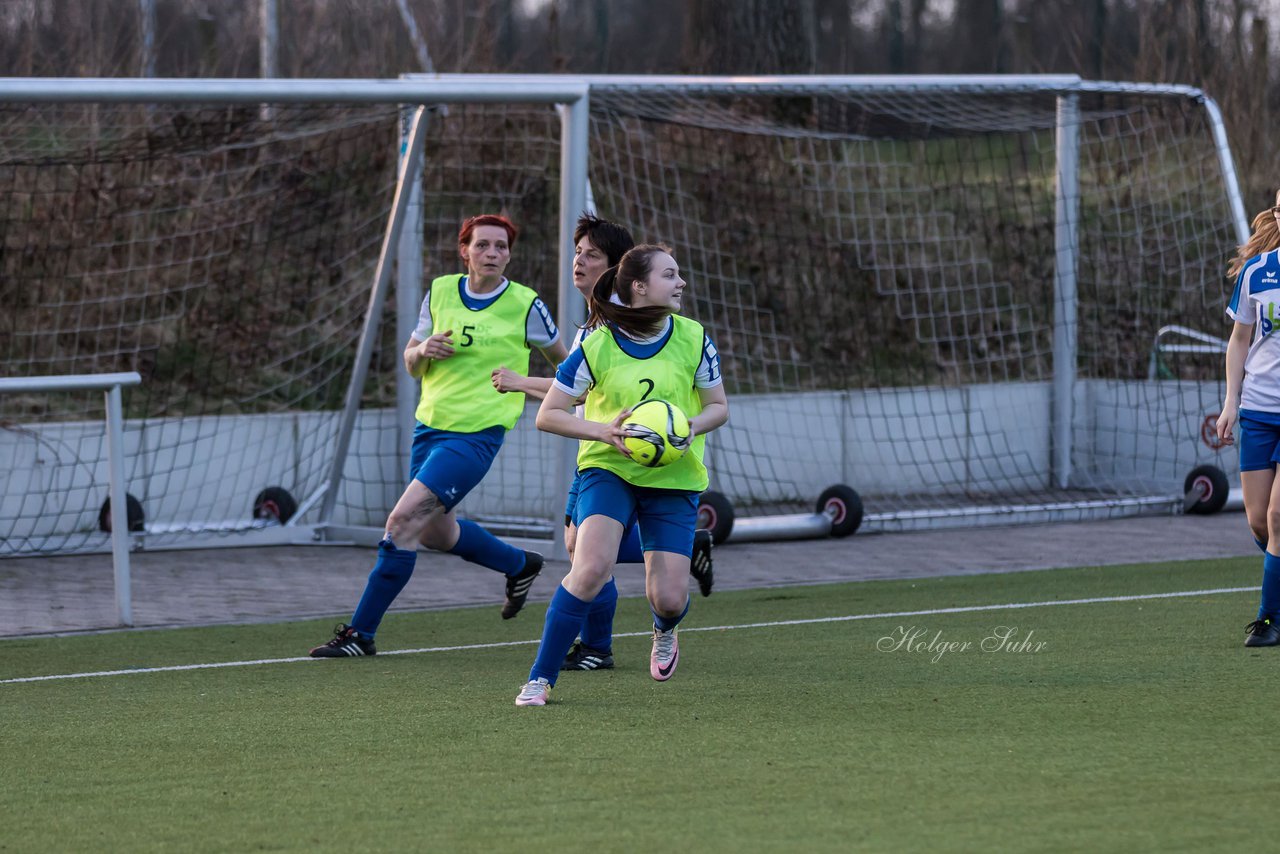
{"points": [[657, 433]]}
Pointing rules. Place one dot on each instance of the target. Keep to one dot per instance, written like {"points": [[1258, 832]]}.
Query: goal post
{"points": [[110, 385]]}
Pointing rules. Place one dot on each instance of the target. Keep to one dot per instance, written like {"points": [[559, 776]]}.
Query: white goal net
{"points": [[885, 271], [224, 257], [948, 296]]}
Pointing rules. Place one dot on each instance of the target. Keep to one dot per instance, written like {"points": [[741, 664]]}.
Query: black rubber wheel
{"points": [[844, 506], [1205, 490], [715, 513], [276, 503], [135, 518]]}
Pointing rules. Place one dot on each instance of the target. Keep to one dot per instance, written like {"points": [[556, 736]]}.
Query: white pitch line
{"points": [[877, 616]]}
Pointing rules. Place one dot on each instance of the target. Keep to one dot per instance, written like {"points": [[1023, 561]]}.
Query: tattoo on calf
{"points": [[428, 504]]}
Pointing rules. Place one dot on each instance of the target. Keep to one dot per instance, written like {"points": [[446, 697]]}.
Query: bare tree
{"points": [[750, 37], [979, 25], [915, 32], [895, 37]]}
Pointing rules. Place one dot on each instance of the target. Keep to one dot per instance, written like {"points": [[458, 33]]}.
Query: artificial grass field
{"points": [[1137, 725]]}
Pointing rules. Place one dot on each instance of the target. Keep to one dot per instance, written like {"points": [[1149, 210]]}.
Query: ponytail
{"points": [[1265, 237], [616, 281], [599, 297]]}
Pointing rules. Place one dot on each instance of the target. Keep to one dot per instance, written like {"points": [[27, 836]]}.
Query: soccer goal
{"points": [[942, 292], [232, 242]]}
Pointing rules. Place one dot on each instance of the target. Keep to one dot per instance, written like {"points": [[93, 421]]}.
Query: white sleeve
{"points": [[573, 376], [1240, 308], [540, 330], [708, 375], [423, 330]]}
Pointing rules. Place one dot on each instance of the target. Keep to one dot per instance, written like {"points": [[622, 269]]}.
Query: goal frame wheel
{"points": [[1205, 491], [843, 506], [715, 513], [275, 502], [136, 518]]}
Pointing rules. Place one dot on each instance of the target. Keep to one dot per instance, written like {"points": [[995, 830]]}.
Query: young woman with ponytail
{"points": [[1253, 404], [643, 349]]}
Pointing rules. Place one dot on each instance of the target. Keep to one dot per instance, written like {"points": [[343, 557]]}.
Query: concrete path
{"points": [[217, 586]]}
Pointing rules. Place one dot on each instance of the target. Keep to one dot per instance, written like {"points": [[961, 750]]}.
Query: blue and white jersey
{"points": [[573, 377], [581, 409], [540, 329], [1256, 300], [580, 336]]}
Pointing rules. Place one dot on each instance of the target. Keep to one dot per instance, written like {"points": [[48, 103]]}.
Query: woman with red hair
{"points": [[471, 324]]}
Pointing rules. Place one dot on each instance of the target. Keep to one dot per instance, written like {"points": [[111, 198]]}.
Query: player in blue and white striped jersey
{"points": [[1253, 404]]}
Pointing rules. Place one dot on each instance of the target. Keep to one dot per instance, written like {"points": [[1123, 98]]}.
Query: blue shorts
{"points": [[571, 503], [667, 517], [452, 464], [1259, 440]]}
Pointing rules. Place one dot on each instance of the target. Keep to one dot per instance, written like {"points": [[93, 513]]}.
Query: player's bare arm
{"points": [[715, 411], [1237, 350], [506, 380], [556, 353], [556, 416], [411, 357], [419, 354]]}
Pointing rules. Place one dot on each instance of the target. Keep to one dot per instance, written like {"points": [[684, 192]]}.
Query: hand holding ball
{"points": [[657, 433]]}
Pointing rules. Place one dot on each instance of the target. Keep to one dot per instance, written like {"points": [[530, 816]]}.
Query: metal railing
{"points": [[111, 384], [1205, 343]]}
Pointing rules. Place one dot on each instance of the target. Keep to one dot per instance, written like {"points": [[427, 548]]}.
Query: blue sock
{"points": [[564, 617], [629, 550], [669, 623], [479, 546], [1262, 544], [1270, 607], [390, 574], [597, 629]]}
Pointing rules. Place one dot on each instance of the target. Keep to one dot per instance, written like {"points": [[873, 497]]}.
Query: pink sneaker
{"points": [[665, 656], [534, 693]]}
